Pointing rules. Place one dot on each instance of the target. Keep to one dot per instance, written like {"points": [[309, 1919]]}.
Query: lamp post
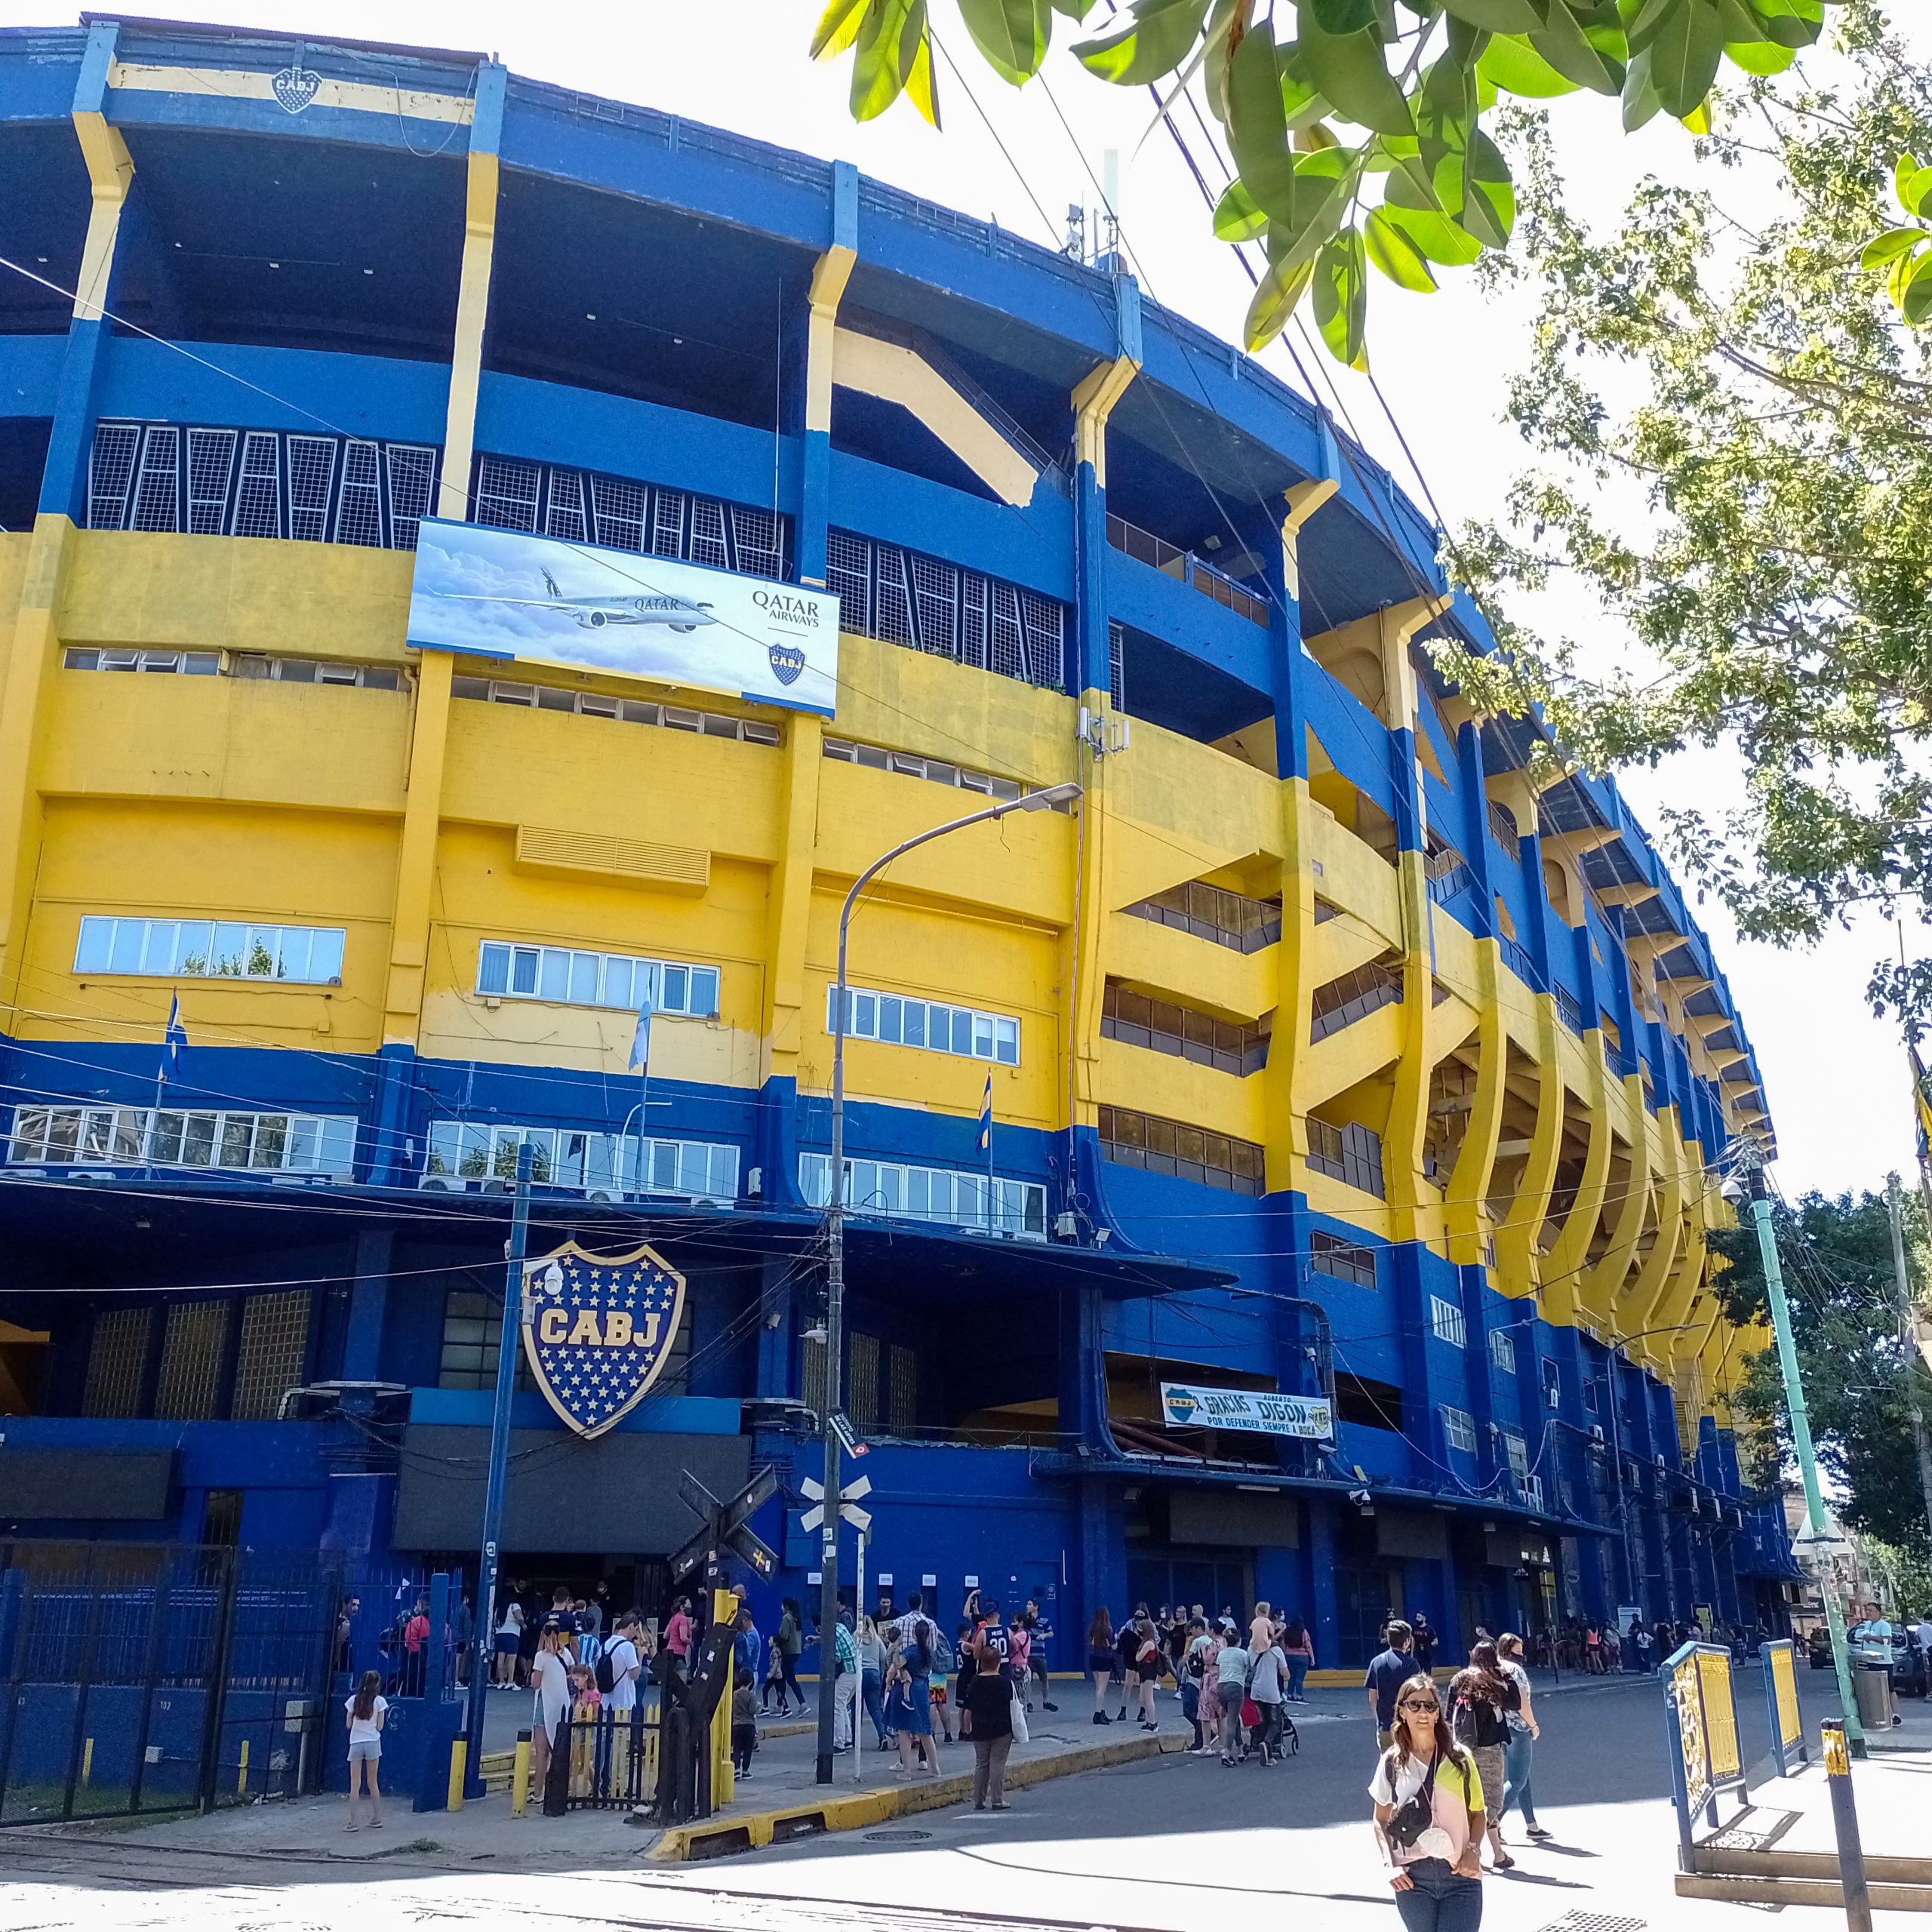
{"points": [[1754, 1188], [835, 1268]]}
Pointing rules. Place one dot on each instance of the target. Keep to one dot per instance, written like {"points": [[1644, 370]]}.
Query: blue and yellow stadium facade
{"points": [[1340, 1041]]}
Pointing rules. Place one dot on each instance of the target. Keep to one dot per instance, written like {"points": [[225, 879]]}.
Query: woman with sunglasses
{"points": [[1428, 1817]]}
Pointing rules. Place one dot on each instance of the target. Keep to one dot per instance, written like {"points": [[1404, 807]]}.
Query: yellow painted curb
{"points": [[720, 1837]]}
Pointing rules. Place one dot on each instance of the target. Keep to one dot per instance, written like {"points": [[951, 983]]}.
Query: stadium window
{"points": [[210, 948], [1163, 1027], [273, 1355], [1503, 1350], [1159, 1146], [1351, 1154], [1211, 912], [117, 1363], [1445, 1320], [1458, 1431], [953, 1196], [192, 1348], [562, 976], [1341, 1260], [893, 1019], [1368, 1403]]}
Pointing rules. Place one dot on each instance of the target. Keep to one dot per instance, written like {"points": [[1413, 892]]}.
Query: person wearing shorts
{"points": [[366, 1710]]}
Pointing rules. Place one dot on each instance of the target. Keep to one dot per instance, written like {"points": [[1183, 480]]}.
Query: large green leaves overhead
{"points": [[1012, 35], [1160, 35]]}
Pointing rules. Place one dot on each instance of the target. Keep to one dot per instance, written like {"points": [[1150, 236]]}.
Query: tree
{"points": [[1858, 1377], [1415, 183], [1775, 564]]}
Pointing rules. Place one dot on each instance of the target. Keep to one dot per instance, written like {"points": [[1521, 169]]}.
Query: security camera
{"points": [[1361, 1498]]}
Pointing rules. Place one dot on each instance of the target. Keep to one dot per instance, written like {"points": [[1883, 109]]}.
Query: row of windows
{"points": [[909, 764], [1341, 1260], [952, 1195], [1165, 1028], [896, 595], [632, 711], [1351, 1154], [211, 482], [210, 948], [1158, 1146], [240, 664], [571, 978], [580, 506], [578, 1158], [1352, 997], [920, 1023], [1212, 912], [185, 1137], [271, 1357], [472, 1332], [881, 1384]]}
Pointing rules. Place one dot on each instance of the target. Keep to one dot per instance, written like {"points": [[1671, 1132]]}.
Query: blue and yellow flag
{"points": [[1921, 1101], [986, 1117]]}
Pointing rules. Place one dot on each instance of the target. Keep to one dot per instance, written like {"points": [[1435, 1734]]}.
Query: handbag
{"points": [[1415, 1815], [1021, 1734]]}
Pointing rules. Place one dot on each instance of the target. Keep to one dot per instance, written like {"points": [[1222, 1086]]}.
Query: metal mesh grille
{"points": [[1117, 667], [359, 516], [620, 508], [848, 572], [757, 536], [211, 457], [116, 1359], [273, 1353], [191, 1360], [310, 471], [563, 512], [412, 477], [506, 494], [110, 471], [1045, 623], [667, 527], [972, 622], [892, 619], [258, 498], [935, 600], [157, 495], [1009, 640], [707, 533]]}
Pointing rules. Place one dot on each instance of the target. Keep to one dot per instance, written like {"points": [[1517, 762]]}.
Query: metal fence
{"points": [[612, 1758], [141, 1678]]}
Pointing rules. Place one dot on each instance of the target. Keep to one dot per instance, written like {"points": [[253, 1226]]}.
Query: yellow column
{"points": [[473, 301], [416, 857], [1562, 1266], [1285, 1111], [1516, 1239], [789, 898], [1465, 1203]]}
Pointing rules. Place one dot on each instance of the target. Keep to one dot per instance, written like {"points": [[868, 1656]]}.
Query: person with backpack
{"points": [[1231, 1669], [791, 1641], [1189, 1671], [1429, 1819], [618, 1670], [1481, 1698], [942, 1660]]}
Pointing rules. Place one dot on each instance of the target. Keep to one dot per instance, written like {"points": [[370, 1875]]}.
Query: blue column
{"points": [[368, 1307], [1475, 828], [814, 506], [1092, 669], [1321, 1568]]}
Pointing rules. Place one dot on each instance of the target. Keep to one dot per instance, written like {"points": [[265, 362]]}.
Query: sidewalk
{"points": [[783, 1783]]}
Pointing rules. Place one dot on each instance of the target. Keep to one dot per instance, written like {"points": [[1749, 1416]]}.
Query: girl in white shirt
{"points": [[550, 1680], [366, 1708]]}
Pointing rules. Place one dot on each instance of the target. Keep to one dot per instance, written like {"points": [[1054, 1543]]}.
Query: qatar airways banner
{"points": [[1187, 1405], [502, 593]]}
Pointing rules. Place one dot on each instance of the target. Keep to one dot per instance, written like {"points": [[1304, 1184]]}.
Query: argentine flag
{"points": [[641, 1041], [986, 1118], [173, 1040]]}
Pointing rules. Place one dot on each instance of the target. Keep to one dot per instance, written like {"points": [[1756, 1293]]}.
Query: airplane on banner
{"points": [[592, 613]]}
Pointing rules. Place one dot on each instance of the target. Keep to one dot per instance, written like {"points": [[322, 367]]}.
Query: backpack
{"points": [[607, 1675], [919, 1652]]}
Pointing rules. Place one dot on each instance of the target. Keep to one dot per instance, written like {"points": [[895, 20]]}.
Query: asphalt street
{"points": [[1173, 1844]]}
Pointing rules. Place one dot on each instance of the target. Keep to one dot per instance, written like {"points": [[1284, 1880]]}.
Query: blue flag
{"points": [[641, 1041], [986, 1118], [173, 1040]]}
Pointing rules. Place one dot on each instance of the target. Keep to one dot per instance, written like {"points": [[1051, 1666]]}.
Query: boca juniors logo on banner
{"points": [[598, 1330]]}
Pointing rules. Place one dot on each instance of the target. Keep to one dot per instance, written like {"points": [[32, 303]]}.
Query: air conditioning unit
{"points": [[1596, 1431], [1554, 1396], [604, 1196], [1661, 1464], [1532, 1491], [440, 1184]]}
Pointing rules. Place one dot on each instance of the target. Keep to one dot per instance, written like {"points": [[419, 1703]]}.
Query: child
{"points": [[774, 1679], [744, 1729], [366, 1710]]}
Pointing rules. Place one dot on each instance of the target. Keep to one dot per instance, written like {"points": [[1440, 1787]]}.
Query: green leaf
{"points": [[1885, 247], [1918, 302], [1759, 57], [1917, 190], [1156, 44], [1258, 127], [1236, 216], [1903, 268], [1273, 303], [890, 42], [1341, 298], [1435, 236], [1794, 23], [1395, 255], [1514, 66], [1563, 45], [1345, 16], [1477, 191], [1641, 103], [1498, 16], [1012, 35], [838, 27], [1902, 171], [1684, 52], [1072, 9], [1349, 73]]}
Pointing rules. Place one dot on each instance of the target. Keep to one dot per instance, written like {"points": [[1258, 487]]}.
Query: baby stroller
{"points": [[1287, 1739]]}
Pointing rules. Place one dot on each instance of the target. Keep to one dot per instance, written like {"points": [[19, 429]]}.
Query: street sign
{"points": [[841, 1427], [726, 1526]]}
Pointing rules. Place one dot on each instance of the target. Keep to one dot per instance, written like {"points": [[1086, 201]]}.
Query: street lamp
{"points": [[1044, 800]]}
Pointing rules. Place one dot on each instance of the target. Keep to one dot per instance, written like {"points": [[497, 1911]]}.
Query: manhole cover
{"points": [[1594, 1921], [894, 1837]]}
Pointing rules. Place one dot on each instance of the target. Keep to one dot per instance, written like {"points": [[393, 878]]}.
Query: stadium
{"points": [[1333, 1045]]}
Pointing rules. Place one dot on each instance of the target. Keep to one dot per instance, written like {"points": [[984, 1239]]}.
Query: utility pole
{"points": [[1046, 800], [1801, 1430], [1895, 1200]]}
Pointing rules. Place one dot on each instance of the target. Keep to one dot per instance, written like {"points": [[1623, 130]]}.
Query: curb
{"points": [[680, 1844]]}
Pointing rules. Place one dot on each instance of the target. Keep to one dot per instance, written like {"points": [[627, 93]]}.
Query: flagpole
{"points": [[992, 1193], [641, 1058]]}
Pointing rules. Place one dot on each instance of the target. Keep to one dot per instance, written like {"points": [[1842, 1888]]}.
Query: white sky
{"points": [[1836, 1078]]}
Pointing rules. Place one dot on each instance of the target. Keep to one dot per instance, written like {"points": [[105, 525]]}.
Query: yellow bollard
{"points": [[241, 1774], [725, 1609], [459, 1758], [87, 1760], [520, 1775]]}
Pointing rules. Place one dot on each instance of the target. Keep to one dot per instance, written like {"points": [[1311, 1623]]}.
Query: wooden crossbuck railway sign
{"points": [[727, 1526]]}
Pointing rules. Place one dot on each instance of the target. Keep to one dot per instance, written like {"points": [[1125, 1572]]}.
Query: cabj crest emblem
{"points": [[294, 87], [787, 661], [598, 1330]]}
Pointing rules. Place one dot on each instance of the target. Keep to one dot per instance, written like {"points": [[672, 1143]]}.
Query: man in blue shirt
{"points": [[1389, 1670]]}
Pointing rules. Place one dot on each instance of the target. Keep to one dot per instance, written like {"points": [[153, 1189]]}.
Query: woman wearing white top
{"points": [[550, 1681], [509, 1641], [1428, 1817], [366, 1708]]}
